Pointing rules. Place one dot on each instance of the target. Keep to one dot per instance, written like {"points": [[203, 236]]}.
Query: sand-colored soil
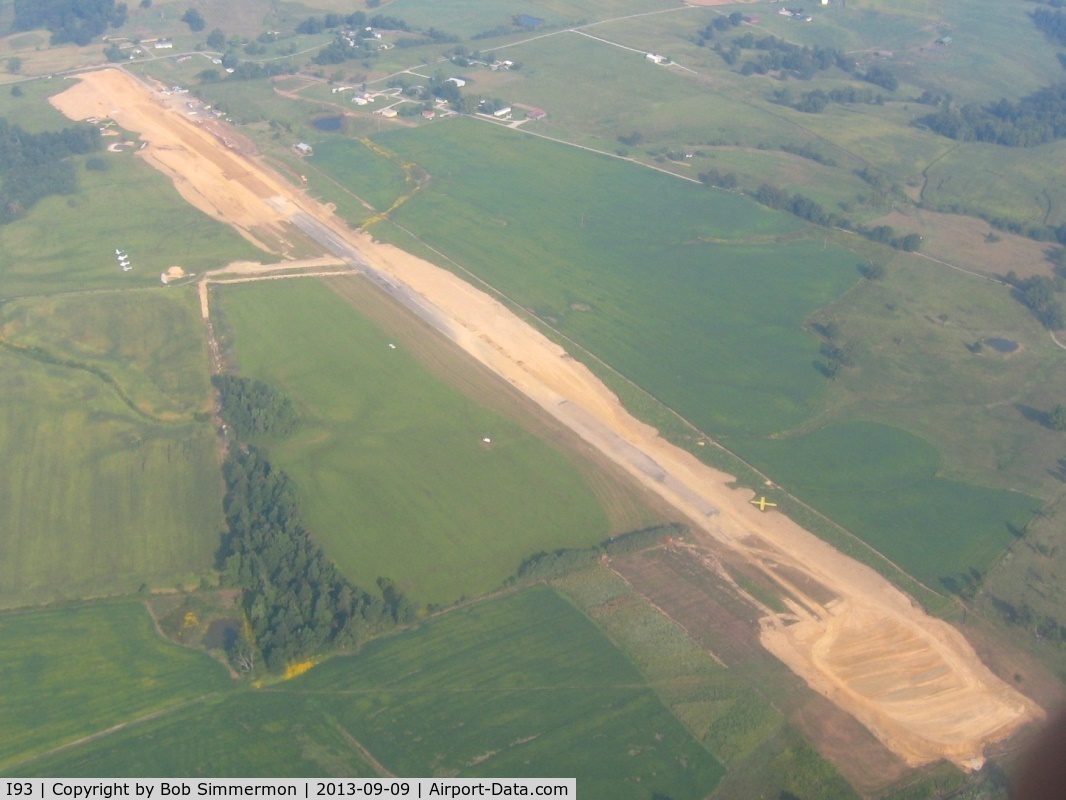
{"points": [[913, 680]]}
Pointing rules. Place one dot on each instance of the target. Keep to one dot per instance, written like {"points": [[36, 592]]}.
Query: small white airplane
{"points": [[126, 268], [118, 252]]}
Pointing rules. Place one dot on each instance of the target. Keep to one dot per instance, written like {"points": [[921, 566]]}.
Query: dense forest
{"points": [[252, 408], [296, 601], [77, 21], [1036, 119], [32, 165]]}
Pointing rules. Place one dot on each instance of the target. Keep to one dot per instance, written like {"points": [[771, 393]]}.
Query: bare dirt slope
{"points": [[913, 680]]}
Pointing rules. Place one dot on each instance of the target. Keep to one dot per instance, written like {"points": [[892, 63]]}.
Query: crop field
{"points": [[881, 484], [519, 685], [623, 258], [736, 712], [239, 735], [150, 342], [515, 686], [404, 485], [67, 243], [93, 498], [71, 672]]}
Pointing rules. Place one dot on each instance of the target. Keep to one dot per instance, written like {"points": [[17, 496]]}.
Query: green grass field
{"points": [[150, 342], [93, 498], [344, 163], [69, 243], [881, 484], [394, 476], [72, 672], [522, 685]]}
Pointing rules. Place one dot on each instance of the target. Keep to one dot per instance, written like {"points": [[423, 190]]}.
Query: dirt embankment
{"points": [[913, 680]]}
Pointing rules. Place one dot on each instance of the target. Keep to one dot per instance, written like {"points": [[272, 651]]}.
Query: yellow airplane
{"points": [[763, 503]]}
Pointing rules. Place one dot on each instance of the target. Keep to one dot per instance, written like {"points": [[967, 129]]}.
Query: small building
{"points": [[164, 44], [457, 81], [655, 58], [428, 113], [304, 149], [389, 112], [502, 112]]}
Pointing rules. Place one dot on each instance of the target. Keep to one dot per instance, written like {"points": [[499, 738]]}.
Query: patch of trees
{"points": [[1056, 418], [252, 408], [77, 21], [812, 211], [253, 70], [714, 177], [816, 101], [296, 601], [33, 165], [1035, 119], [1038, 294], [719, 24], [1052, 23], [881, 76], [543, 566], [808, 152], [776, 55], [194, 19], [359, 19], [1043, 626]]}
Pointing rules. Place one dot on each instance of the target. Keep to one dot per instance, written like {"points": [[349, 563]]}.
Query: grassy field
{"points": [[881, 484], [68, 243], [521, 685], [387, 453], [93, 498], [150, 342], [71, 672], [339, 162]]}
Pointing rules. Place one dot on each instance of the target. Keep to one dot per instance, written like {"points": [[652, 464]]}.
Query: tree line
{"points": [[1036, 119], [33, 165], [77, 21], [542, 566], [253, 408]]}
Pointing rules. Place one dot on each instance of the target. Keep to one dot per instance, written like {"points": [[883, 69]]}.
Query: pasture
{"points": [[150, 343], [75, 671], [95, 499], [394, 475]]}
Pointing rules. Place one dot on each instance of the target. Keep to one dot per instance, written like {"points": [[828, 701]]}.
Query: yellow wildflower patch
{"points": [[299, 668]]}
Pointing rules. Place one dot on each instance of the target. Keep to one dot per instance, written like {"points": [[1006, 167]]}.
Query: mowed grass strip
{"points": [[94, 499], [881, 483], [151, 343], [521, 685], [236, 736], [390, 463], [682, 289], [76, 671]]}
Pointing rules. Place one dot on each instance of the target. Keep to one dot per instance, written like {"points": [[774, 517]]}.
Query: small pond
{"points": [[1002, 345], [331, 124], [222, 634]]}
